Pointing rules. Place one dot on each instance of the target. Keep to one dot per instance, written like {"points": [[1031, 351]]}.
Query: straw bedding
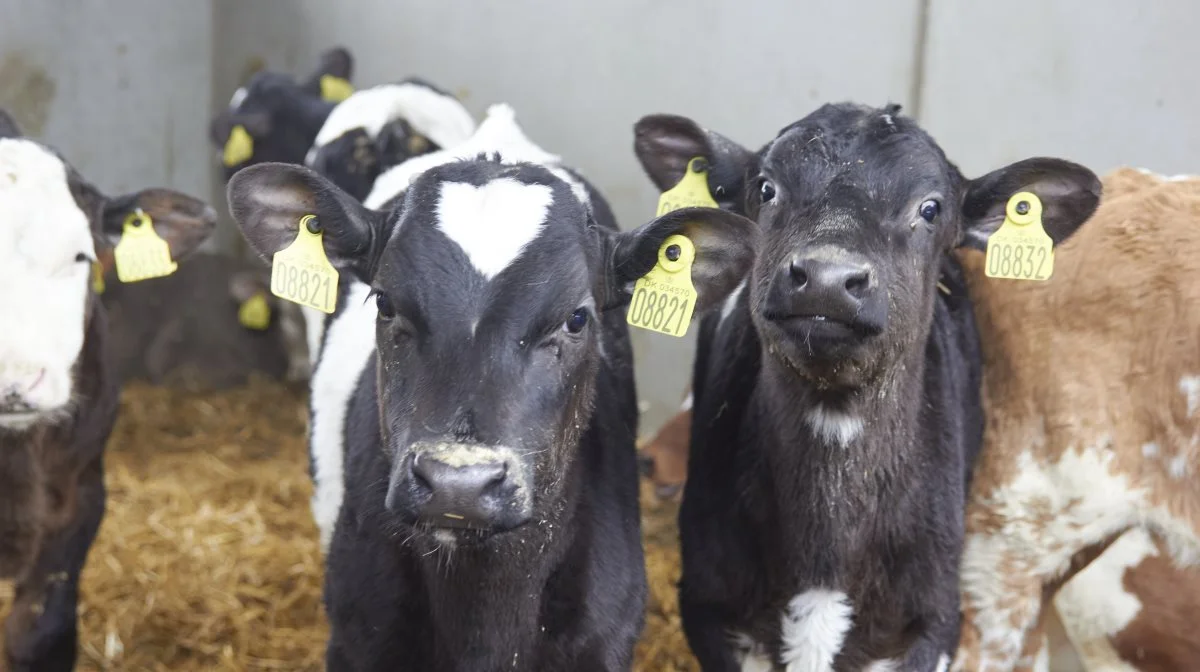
{"points": [[208, 556]]}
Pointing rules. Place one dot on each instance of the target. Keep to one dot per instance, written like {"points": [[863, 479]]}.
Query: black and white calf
{"points": [[836, 404], [58, 389], [384, 126], [281, 115], [490, 518]]}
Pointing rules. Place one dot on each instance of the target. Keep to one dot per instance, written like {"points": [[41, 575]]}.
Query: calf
{"points": [[1093, 380], [274, 117], [58, 390], [384, 126], [836, 403], [490, 518], [185, 329], [664, 457]]}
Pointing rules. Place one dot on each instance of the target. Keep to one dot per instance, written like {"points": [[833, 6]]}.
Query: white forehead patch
{"points": [[238, 98], [499, 134], [441, 118], [493, 223]]}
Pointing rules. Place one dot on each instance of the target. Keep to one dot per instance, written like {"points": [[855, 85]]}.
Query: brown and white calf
{"points": [[1092, 389], [58, 390]]}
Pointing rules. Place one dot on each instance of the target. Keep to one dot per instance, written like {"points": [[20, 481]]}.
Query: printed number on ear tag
{"points": [[255, 313], [301, 273], [690, 192], [1020, 249], [664, 298], [335, 89], [239, 147], [141, 254]]}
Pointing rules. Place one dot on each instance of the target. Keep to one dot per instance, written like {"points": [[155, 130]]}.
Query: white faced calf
{"points": [[58, 392]]}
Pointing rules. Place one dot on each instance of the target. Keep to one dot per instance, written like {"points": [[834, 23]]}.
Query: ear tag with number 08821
{"points": [[301, 273], [1020, 249], [141, 254], [664, 298]]}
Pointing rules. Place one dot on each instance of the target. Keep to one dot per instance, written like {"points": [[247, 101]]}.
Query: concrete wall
{"points": [[121, 87]]}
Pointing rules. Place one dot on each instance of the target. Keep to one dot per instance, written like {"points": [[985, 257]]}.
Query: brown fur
{"points": [[1091, 359], [1163, 637], [664, 457]]}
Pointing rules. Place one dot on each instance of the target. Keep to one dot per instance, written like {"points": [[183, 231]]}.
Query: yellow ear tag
{"points": [[690, 192], [664, 298], [1020, 249], [255, 313], [239, 147], [141, 254], [335, 89], [97, 278], [301, 273]]}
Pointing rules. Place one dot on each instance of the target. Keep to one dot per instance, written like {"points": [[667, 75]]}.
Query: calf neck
{"points": [[836, 397]]}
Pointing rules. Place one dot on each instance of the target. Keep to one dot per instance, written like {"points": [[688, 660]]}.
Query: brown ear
{"points": [[181, 220]]}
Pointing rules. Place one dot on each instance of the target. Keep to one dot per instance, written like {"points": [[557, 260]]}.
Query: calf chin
{"points": [[446, 486]]}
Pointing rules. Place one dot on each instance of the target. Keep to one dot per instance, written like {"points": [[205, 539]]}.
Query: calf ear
{"points": [[267, 201], [1068, 191], [184, 222], [725, 247], [336, 62], [665, 143], [8, 126], [245, 284]]}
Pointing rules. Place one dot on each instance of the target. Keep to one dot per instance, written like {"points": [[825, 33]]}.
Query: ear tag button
{"points": [[664, 298], [1020, 249], [335, 89], [239, 147], [255, 312], [142, 254], [301, 273], [97, 277], [690, 192]]}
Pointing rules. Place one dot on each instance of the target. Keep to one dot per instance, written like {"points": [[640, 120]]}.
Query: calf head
{"points": [[488, 279], [289, 317], [279, 115], [858, 208], [53, 226]]}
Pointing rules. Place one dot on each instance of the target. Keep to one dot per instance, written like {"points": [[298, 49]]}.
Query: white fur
{"points": [[498, 133], [834, 426], [731, 301], [314, 328], [814, 628], [883, 666], [43, 289], [348, 348], [943, 663], [494, 222], [238, 98], [1190, 387], [687, 403], [750, 655], [441, 118], [1149, 450], [1094, 604]]}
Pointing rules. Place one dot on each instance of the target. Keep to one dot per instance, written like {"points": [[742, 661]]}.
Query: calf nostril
{"points": [[799, 274], [856, 283]]}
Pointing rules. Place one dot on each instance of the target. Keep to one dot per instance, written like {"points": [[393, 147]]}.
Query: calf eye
{"points": [[576, 322], [767, 190], [929, 210], [81, 257], [386, 310]]}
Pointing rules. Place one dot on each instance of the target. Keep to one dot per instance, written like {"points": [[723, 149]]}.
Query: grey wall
{"points": [[125, 87], [122, 87]]}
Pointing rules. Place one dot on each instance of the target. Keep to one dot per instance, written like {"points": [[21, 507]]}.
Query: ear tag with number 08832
{"points": [[664, 298], [1020, 249], [301, 273], [141, 254]]}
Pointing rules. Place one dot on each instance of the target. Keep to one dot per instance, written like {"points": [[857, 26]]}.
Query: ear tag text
{"points": [[97, 277], [255, 312], [301, 273], [335, 89], [664, 299], [239, 147], [142, 254], [689, 192], [1020, 249]]}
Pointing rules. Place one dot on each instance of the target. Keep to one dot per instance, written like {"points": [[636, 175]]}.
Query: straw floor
{"points": [[208, 557]]}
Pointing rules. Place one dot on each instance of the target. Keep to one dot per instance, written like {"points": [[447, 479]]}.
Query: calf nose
{"points": [[834, 287], [819, 275], [469, 495]]}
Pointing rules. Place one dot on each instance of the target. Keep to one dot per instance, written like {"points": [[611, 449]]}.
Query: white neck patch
{"points": [[833, 426], [438, 117], [43, 287], [493, 223], [238, 98]]}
